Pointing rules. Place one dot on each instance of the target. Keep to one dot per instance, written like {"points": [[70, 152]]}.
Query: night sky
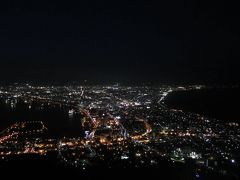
{"points": [[116, 41]]}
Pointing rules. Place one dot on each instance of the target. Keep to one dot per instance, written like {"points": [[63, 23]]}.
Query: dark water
{"points": [[56, 119], [222, 104]]}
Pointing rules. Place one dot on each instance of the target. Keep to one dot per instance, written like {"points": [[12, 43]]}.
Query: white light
{"points": [[124, 157]]}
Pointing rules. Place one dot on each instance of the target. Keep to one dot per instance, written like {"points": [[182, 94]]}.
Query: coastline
{"points": [[215, 103]]}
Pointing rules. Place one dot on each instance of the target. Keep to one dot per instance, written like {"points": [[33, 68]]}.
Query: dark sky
{"points": [[117, 41]]}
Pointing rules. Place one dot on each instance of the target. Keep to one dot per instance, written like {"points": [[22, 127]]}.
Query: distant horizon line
{"points": [[91, 83]]}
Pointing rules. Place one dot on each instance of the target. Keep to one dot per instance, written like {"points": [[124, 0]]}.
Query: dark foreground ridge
{"points": [[32, 166], [111, 131]]}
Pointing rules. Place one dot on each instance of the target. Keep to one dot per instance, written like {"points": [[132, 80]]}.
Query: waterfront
{"points": [[57, 119], [219, 103], [113, 127]]}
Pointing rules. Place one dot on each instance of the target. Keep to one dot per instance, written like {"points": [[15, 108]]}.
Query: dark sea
{"points": [[218, 103], [56, 119]]}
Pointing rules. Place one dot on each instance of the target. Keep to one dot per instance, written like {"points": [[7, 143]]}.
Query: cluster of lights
{"points": [[113, 108]]}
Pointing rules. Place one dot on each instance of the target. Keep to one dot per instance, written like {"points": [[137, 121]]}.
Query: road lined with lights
{"points": [[130, 126]]}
